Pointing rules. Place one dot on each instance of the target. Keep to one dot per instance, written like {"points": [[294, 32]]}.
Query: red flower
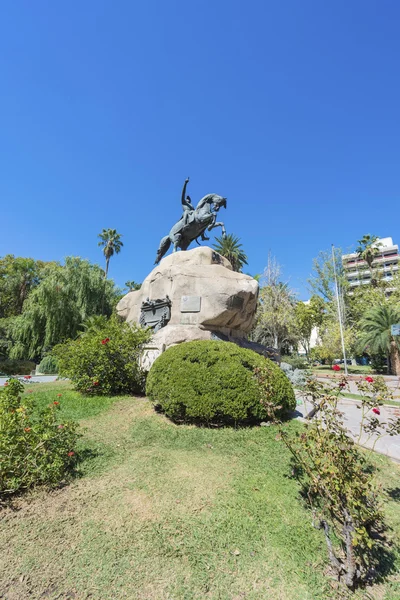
{"points": [[342, 384], [59, 395], [369, 379], [71, 453], [105, 341], [336, 368], [61, 427], [95, 383], [27, 429], [6, 383], [30, 391], [376, 411], [56, 403], [27, 376]]}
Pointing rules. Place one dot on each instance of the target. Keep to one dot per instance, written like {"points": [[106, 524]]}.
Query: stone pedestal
{"points": [[205, 300]]}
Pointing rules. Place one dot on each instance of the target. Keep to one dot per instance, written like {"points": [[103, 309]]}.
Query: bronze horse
{"points": [[194, 223]]}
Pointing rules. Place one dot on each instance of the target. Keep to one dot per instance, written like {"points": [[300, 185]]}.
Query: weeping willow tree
{"points": [[59, 305]]}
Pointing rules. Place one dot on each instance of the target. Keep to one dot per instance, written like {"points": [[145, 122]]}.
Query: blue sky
{"points": [[289, 108]]}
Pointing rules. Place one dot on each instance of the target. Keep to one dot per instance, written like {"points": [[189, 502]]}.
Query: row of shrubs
{"points": [[205, 382], [47, 366]]}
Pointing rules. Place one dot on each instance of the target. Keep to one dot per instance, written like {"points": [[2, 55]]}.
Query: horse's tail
{"points": [[163, 248]]}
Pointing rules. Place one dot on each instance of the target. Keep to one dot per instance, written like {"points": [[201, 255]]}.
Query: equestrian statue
{"points": [[193, 223]]}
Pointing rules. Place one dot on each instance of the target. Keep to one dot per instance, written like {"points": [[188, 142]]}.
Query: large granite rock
{"points": [[206, 300]]}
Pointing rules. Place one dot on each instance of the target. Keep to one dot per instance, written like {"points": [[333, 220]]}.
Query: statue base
{"points": [[194, 295]]}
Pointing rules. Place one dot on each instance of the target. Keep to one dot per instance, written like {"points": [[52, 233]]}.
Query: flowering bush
{"points": [[34, 448], [104, 360], [338, 483]]}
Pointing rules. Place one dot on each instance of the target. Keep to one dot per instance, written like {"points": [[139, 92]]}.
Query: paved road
{"points": [[392, 382], [390, 446], [34, 379]]}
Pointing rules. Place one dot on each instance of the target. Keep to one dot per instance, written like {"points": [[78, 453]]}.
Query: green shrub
{"points": [[104, 360], [34, 447], [297, 362], [48, 365], [17, 367], [209, 381]]}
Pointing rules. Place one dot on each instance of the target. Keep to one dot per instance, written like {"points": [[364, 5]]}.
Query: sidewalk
{"points": [[388, 445]]}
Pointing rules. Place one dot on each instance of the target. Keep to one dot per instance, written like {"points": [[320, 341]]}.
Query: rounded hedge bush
{"points": [[48, 365], [214, 382]]}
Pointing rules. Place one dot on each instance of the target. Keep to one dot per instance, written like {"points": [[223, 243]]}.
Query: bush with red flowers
{"points": [[104, 360], [336, 368], [34, 448], [337, 481]]}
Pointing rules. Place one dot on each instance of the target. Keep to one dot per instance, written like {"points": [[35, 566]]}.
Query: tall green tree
{"points": [[56, 309], [18, 276], [322, 279], [110, 240], [275, 323], [368, 248], [307, 317], [376, 336], [231, 248]]}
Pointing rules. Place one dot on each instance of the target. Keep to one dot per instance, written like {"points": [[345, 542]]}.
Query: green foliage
{"points": [[297, 362], [376, 337], [48, 365], [17, 367], [330, 347], [230, 247], [368, 249], [110, 239], [132, 285], [322, 280], [18, 276], [34, 447], [275, 323], [307, 317], [213, 382], [337, 480], [104, 360], [57, 307]]}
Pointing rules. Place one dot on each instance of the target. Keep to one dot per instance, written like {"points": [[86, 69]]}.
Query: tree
{"points": [[18, 276], [368, 249], [57, 307], [376, 336], [276, 315], [132, 285], [230, 247], [110, 239], [307, 317], [322, 279], [330, 347]]}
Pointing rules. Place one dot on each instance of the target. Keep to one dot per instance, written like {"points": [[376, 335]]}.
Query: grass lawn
{"points": [[358, 397], [167, 512], [351, 369]]}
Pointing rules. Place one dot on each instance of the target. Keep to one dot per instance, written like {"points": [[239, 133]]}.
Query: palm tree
{"points": [[230, 248], [376, 334], [368, 249], [111, 242], [132, 285]]}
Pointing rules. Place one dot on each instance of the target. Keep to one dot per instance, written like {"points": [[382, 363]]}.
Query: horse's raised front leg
{"points": [[218, 224]]}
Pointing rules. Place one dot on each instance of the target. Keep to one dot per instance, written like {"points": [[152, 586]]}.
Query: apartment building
{"points": [[386, 264]]}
